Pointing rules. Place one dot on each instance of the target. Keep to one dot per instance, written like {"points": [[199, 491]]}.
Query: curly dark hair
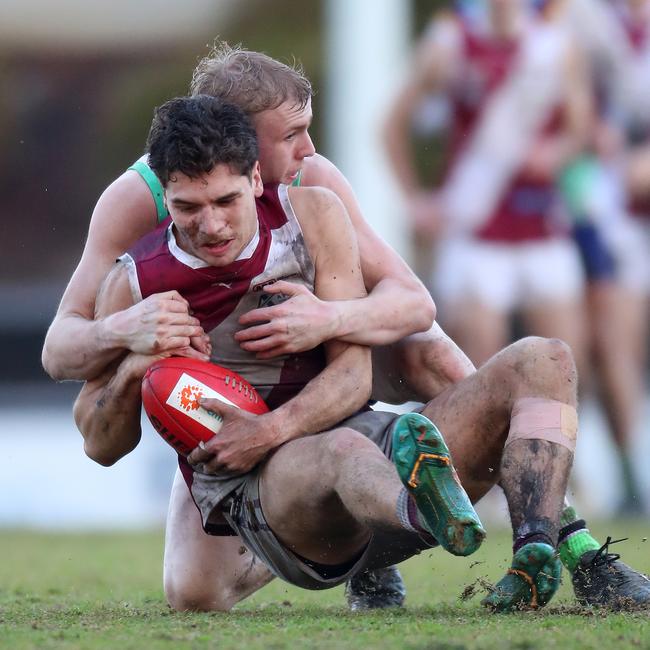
{"points": [[252, 80], [192, 135]]}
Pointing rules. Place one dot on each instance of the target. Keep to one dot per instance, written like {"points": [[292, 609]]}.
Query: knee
{"points": [[538, 362], [339, 445], [190, 593], [551, 352]]}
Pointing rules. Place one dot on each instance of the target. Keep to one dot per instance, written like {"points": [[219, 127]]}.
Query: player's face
{"points": [[215, 216], [284, 142]]}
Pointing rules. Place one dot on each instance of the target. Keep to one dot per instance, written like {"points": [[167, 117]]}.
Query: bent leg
{"points": [[204, 572], [474, 416], [322, 495], [325, 496], [488, 444]]}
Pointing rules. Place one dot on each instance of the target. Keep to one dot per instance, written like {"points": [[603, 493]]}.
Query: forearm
{"points": [[78, 348], [108, 414], [339, 391], [393, 309]]}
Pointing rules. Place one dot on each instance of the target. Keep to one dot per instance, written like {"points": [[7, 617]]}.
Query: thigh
{"points": [[475, 292], [479, 329], [561, 320], [551, 271], [630, 244], [203, 571], [555, 304], [299, 501]]}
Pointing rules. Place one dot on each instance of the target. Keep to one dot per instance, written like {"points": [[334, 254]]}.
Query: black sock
{"points": [[535, 530]]}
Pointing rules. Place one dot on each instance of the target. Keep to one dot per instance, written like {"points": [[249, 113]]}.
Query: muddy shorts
{"points": [[242, 509]]}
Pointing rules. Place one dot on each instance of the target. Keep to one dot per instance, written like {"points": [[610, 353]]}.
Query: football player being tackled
{"points": [[374, 488]]}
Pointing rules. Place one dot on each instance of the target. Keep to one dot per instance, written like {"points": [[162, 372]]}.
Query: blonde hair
{"points": [[251, 80]]}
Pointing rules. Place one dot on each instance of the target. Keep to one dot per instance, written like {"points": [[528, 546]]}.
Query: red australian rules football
{"points": [[171, 390]]}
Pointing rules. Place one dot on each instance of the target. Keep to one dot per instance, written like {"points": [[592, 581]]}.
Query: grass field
{"points": [[104, 591]]}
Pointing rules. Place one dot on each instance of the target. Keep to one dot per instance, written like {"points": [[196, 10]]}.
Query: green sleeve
{"points": [[154, 185], [297, 179]]}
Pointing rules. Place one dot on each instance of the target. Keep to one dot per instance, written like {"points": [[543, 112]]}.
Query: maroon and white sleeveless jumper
{"points": [[218, 296]]}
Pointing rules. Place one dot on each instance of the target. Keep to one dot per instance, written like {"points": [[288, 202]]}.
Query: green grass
{"points": [[104, 591]]}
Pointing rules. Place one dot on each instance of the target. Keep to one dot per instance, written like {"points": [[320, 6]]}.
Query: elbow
{"points": [[424, 312], [51, 367], [100, 455], [98, 445], [428, 315], [58, 366]]}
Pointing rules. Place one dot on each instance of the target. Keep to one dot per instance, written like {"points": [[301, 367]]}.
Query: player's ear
{"points": [[256, 180]]}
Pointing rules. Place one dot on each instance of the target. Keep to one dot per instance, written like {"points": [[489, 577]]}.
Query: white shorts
{"points": [[508, 276]]}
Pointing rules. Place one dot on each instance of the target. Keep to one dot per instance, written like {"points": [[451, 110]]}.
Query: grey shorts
{"points": [[242, 509]]}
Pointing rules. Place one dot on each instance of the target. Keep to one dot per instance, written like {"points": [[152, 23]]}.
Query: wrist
{"points": [[133, 368], [336, 319], [280, 427], [109, 334]]}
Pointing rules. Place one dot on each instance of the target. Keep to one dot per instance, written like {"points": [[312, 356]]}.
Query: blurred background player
{"points": [[519, 111], [608, 194]]}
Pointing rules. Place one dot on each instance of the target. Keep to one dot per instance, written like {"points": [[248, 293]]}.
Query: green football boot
{"points": [[531, 581], [424, 465]]}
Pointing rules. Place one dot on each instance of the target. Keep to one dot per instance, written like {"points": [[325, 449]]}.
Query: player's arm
{"points": [[77, 346], [430, 71], [398, 304], [107, 410], [345, 383]]}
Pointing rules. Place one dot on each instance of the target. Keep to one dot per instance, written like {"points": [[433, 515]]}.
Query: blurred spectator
{"points": [[608, 193], [520, 109]]}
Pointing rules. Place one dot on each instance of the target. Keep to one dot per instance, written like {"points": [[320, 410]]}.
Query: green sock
{"points": [[574, 539]]}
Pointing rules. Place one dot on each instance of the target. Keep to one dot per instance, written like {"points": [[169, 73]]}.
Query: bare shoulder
{"points": [[318, 170], [321, 172], [317, 204], [126, 204], [320, 213]]}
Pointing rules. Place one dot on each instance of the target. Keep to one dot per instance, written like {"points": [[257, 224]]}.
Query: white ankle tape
{"points": [[544, 419]]}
